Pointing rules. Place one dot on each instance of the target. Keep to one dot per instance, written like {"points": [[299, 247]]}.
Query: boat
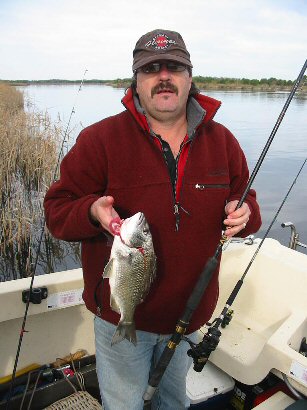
{"points": [[261, 357]]}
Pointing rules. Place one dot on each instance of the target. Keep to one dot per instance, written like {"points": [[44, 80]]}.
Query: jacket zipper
{"points": [[177, 205], [208, 186]]}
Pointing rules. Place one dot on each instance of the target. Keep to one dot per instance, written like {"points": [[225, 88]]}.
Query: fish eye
{"points": [[145, 231]]}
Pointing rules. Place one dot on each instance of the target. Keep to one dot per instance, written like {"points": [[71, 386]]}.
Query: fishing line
{"points": [[211, 264], [40, 240], [274, 219], [201, 352]]}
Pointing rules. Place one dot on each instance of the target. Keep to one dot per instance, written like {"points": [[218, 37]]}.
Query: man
{"points": [[167, 157]]}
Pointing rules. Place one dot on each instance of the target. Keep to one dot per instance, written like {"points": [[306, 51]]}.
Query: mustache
{"points": [[166, 85]]}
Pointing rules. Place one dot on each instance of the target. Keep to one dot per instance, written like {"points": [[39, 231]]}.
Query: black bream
{"points": [[131, 270]]}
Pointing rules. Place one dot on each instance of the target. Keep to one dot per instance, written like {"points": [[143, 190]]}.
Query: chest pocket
{"points": [[211, 186], [210, 195], [207, 201]]}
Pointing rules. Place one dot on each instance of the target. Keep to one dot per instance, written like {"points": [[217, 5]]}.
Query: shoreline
{"points": [[271, 85]]}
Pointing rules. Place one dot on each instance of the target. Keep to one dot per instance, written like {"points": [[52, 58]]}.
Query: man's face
{"points": [[163, 94]]}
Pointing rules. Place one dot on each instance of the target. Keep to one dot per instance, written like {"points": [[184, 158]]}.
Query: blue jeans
{"points": [[123, 370]]}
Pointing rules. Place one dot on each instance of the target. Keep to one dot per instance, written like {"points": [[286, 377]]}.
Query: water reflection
{"points": [[18, 260], [272, 184], [92, 103]]}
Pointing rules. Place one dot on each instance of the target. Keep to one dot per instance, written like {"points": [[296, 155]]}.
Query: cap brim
{"points": [[158, 57]]}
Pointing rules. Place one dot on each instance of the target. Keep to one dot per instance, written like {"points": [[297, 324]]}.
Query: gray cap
{"points": [[160, 45]]}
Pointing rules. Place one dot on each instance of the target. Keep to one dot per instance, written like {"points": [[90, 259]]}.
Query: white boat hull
{"points": [[270, 317]]}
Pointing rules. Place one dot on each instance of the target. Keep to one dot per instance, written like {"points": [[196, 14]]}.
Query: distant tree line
{"points": [[247, 81], [200, 81], [54, 81]]}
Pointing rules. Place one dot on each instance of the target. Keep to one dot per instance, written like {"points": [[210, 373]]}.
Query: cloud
{"points": [[241, 38]]}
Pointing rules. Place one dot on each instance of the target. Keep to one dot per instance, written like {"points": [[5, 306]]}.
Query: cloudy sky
{"points": [[43, 39]]}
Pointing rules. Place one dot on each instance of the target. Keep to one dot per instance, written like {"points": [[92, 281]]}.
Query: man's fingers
{"points": [[102, 211]]}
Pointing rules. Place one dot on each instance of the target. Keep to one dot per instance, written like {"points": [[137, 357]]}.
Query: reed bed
{"points": [[29, 146]]}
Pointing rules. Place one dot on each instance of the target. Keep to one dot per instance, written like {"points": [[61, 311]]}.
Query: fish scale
{"points": [[131, 271]]}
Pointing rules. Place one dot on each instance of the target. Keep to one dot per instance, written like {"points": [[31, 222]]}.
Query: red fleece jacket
{"points": [[117, 156]]}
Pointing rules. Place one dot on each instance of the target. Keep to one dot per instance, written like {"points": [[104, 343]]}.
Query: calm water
{"points": [[250, 116]]}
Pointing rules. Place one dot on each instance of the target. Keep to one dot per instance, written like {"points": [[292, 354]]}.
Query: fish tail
{"points": [[124, 330]]}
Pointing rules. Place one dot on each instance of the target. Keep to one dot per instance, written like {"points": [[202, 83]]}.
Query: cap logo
{"points": [[160, 42]]}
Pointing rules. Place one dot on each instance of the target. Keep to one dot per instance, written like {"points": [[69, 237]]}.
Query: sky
{"points": [[42, 39]]}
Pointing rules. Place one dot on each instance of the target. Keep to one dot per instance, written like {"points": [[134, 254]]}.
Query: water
{"points": [[250, 116]]}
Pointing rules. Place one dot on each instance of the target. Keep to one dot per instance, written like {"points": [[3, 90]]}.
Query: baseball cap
{"points": [[160, 45]]}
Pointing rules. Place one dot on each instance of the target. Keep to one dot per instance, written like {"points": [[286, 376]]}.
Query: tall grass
{"points": [[29, 144]]}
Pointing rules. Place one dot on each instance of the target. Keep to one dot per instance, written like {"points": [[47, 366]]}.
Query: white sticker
{"points": [[299, 372], [65, 299]]}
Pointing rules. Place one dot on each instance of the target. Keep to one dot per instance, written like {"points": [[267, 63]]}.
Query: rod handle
{"points": [[159, 371], [199, 288], [234, 292]]}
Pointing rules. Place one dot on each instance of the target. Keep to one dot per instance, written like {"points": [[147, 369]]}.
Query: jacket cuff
{"points": [[86, 225]]}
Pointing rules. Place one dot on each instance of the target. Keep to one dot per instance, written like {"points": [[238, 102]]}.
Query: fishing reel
{"points": [[200, 352], [227, 318]]}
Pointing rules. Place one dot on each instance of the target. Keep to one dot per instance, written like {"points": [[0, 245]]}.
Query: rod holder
{"points": [[36, 295]]}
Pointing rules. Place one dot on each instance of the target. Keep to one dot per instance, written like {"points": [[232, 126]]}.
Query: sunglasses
{"points": [[156, 67]]}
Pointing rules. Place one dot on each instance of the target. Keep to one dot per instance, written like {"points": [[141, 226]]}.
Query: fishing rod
{"points": [[42, 231], [200, 352], [211, 264]]}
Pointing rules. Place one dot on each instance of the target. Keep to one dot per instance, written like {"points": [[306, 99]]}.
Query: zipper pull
{"points": [[98, 312], [199, 186], [177, 208], [177, 216]]}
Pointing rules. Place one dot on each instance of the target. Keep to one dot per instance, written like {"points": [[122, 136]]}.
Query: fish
{"points": [[131, 271]]}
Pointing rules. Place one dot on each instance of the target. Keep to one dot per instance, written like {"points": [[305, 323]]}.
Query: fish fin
{"points": [[108, 269], [124, 331], [114, 305]]}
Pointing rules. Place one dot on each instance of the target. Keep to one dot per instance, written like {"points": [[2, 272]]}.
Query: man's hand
{"points": [[236, 219], [102, 211]]}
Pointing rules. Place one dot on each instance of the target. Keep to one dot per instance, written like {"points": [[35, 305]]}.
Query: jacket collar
{"points": [[200, 109]]}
